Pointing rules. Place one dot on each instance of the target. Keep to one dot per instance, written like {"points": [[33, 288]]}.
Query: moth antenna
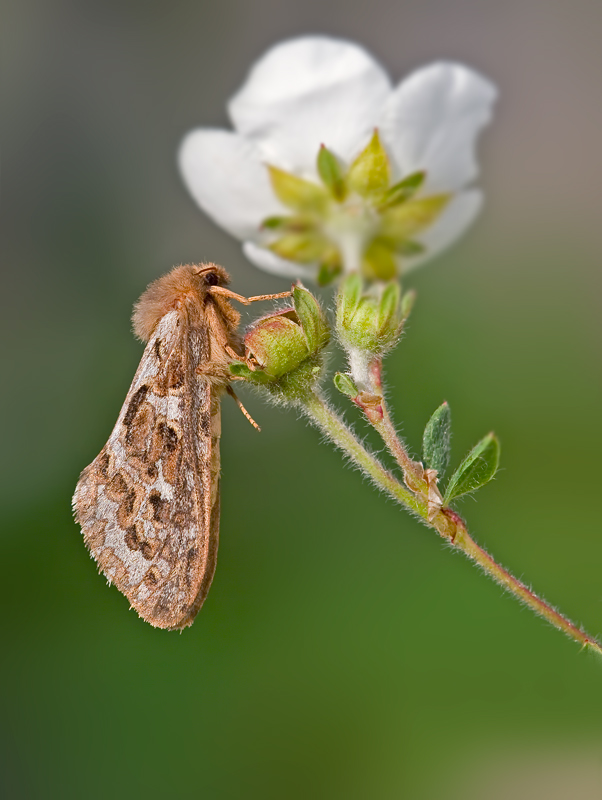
{"points": [[247, 300], [236, 399]]}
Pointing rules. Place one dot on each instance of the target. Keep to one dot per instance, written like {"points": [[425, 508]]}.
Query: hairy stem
{"points": [[335, 429], [445, 521], [383, 424], [463, 541]]}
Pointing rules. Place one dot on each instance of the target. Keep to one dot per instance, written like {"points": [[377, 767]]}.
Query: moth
{"points": [[149, 504]]}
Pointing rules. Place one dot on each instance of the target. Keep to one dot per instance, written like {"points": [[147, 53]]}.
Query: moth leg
{"points": [[207, 369], [236, 399], [232, 353], [250, 362], [247, 300]]}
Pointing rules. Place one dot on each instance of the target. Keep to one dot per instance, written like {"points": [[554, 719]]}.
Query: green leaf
{"points": [[344, 384], [297, 193], [402, 191], [477, 469], [370, 172], [436, 440], [330, 172]]}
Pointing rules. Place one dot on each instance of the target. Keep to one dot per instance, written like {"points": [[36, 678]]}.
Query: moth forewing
{"points": [[148, 505]]}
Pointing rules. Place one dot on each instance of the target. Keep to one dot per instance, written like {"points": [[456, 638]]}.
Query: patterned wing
{"points": [[148, 504]]}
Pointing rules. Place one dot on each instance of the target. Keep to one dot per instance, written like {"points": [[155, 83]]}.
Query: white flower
{"points": [[391, 186]]}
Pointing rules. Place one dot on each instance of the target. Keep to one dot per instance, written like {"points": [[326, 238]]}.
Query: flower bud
{"points": [[369, 321], [277, 344], [283, 349]]}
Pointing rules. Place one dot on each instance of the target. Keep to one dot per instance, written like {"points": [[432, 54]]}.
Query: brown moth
{"points": [[148, 505]]}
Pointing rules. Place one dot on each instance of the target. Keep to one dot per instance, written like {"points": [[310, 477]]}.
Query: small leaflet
{"points": [[477, 469]]}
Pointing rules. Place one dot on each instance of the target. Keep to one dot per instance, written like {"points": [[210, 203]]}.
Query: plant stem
{"points": [[383, 424], [336, 430], [445, 521], [469, 547]]}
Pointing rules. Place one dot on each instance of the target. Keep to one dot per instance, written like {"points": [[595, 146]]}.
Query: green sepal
{"points": [[379, 262], [240, 370], [329, 170], [436, 440], [313, 321], [350, 292], [388, 308], [345, 385], [410, 248], [401, 223], [273, 223], [402, 191], [290, 224], [477, 469], [407, 304], [370, 173], [327, 273], [304, 248], [297, 193]]}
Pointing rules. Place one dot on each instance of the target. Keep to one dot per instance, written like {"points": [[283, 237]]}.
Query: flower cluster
{"points": [[331, 169]]}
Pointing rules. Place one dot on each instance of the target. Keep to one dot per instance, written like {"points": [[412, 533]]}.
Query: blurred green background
{"points": [[343, 651]]}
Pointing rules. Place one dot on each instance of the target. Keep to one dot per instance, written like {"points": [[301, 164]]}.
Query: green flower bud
{"points": [[370, 321], [277, 344], [283, 350]]}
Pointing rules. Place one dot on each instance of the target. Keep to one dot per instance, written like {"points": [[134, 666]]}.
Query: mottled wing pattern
{"points": [[148, 505]]}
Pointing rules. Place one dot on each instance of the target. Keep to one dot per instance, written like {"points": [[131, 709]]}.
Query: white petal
{"points": [[310, 91], [431, 122], [225, 175], [450, 225], [270, 262]]}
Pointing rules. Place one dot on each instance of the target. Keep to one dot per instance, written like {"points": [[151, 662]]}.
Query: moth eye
{"points": [[211, 279]]}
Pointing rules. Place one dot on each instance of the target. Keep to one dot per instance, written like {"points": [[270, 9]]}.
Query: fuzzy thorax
{"points": [[185, 288]]}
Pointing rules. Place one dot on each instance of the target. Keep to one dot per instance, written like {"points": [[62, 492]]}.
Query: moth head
{"points": [[212, 275], [186, 286]]}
